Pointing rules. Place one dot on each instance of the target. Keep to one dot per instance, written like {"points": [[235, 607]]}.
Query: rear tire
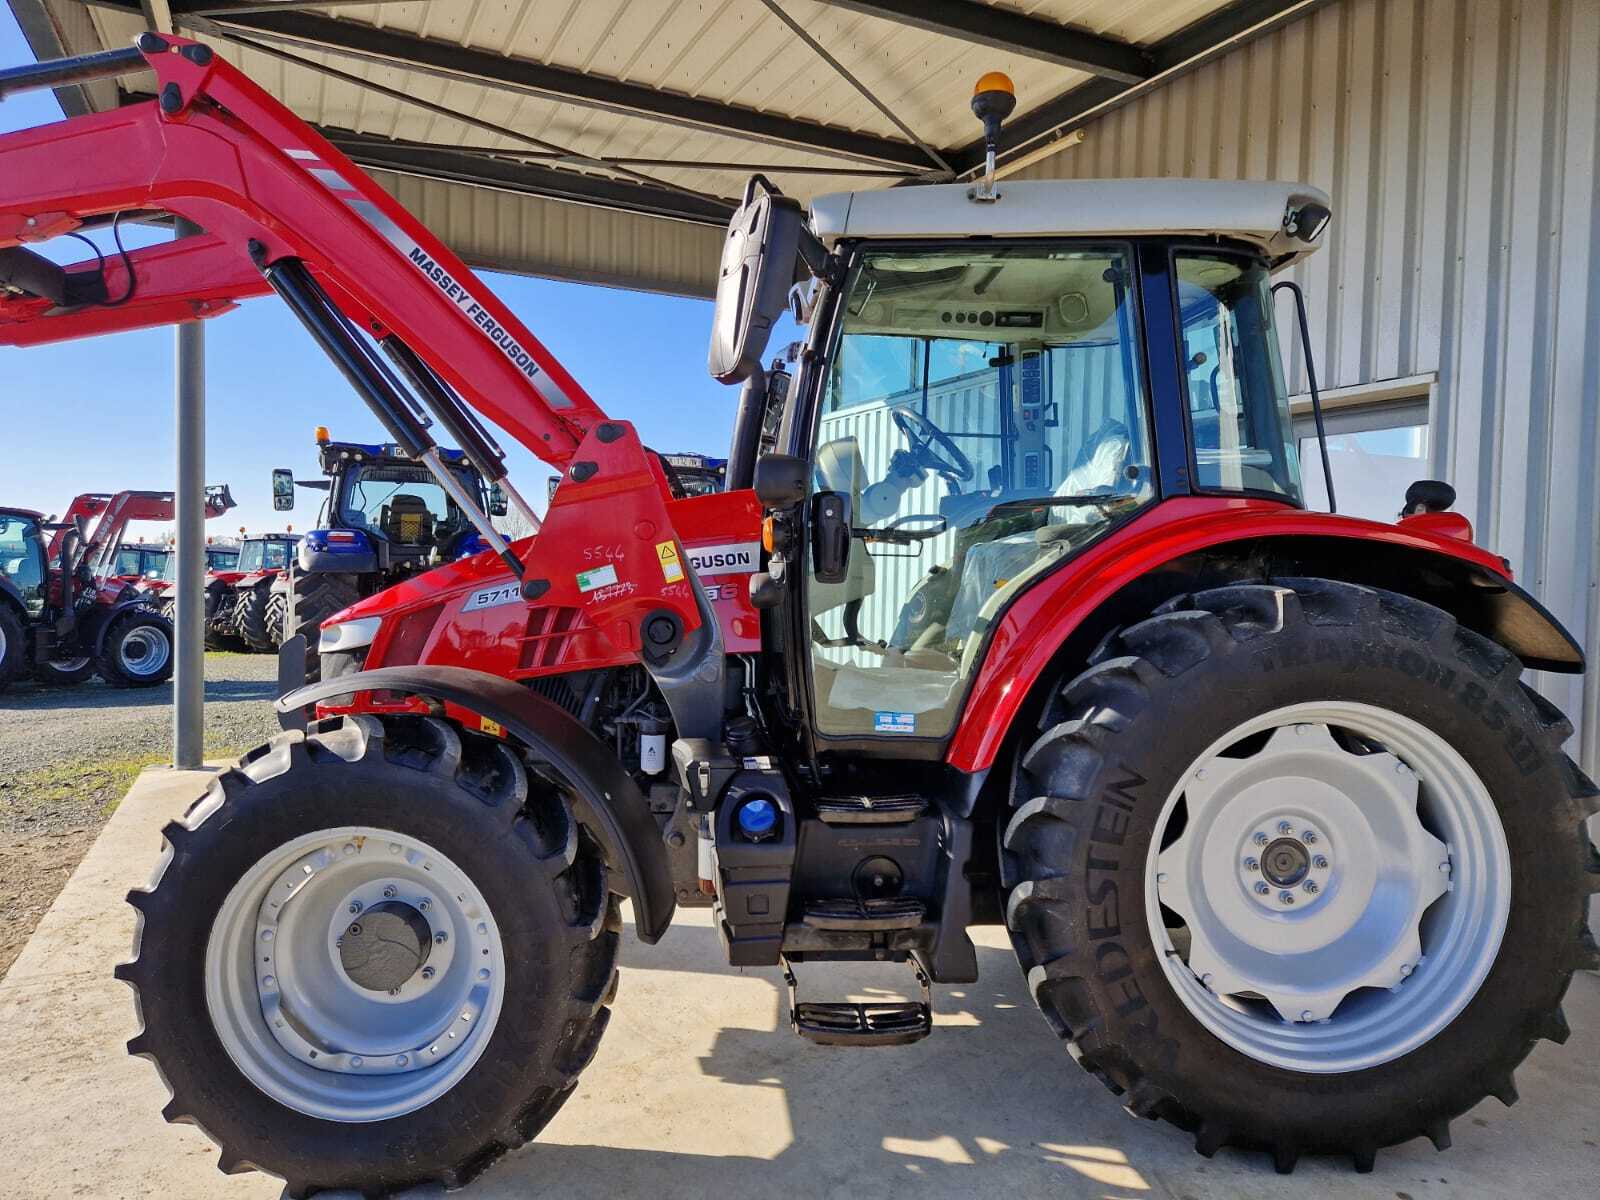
{"points": [[251, 619], [1118, 756], [137, 650], [11, 654], [515, 841], [317, 597], [64, 673]]}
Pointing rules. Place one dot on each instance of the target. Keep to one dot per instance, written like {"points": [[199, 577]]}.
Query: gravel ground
{"points": [[69, 754]]}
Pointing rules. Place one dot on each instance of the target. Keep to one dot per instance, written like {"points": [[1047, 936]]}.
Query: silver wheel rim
{"points": [[300, 1028], [61, 664], [1343, 885], [144, 651]]}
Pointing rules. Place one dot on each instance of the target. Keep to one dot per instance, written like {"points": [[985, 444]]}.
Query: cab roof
{"points": [[1254, 212]]}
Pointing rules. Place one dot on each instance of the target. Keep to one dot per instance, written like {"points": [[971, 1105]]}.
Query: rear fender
{"points": [[1112, 585], [620, 812]]}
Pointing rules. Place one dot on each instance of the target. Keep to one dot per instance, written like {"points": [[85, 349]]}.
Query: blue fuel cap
{"points": [[757, 818]]}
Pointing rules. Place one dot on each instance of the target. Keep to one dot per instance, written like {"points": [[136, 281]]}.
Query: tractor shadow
{"points": [[989, 1102], [95, 694]]}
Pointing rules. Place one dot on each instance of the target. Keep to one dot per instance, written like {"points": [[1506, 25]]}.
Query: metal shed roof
{"points": [[602, 139]]}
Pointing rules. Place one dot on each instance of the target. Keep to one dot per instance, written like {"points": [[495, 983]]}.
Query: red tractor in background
{"points": [[65, 611], [1012, 612], [218, 558], [238, 593]]}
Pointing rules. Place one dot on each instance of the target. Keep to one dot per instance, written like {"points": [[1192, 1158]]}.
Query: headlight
{"points": [[349, 635]]}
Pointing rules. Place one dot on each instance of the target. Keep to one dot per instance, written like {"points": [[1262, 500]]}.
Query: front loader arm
{"points": [[220, 151]]}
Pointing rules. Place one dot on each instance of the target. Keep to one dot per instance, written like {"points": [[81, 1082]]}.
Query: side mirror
{"points": [[780, 480], [282, 489], [761, 261], [830, 537], [498, 505]]}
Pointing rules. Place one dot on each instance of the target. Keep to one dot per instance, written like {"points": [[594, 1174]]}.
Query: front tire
{"points": [[524, 906], [1155, 936], [137, 650], [11, 652], [318, 596]]}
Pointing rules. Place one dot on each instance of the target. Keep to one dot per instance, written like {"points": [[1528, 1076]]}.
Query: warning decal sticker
{"points": [[671, 564]]}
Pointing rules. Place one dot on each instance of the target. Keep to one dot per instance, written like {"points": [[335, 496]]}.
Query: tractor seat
{"points": [[407, 521]]}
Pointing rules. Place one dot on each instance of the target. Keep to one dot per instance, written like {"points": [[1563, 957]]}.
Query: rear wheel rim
{"points": [[292, 1018], [1341, 880], [144, 651]]}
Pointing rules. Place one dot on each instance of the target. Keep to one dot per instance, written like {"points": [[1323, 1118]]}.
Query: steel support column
{"points": [[188, 681]]}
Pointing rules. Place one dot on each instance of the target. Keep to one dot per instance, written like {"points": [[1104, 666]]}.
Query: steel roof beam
{"points": [[457, 166], [1181, 52], [1017, 33], [453, 61]]}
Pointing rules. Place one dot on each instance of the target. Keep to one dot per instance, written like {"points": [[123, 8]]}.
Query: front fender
{"points": [[625, 824]]}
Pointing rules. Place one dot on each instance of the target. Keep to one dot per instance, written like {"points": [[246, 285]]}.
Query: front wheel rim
{"points": [[144, 651], [1341, 883], [300, 1027]]}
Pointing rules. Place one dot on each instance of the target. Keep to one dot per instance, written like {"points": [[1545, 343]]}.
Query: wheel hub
{"points": [[385, 946], [1285, 863]]}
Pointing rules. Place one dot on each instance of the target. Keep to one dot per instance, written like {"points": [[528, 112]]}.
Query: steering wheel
{"points": [[923, 435]]}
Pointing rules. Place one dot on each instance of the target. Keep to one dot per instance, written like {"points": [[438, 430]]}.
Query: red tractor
{"points": [[159, 589], [1012, 612], [238, 591], [66, 609]]}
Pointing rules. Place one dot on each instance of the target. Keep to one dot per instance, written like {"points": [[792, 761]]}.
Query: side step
{"points": [[864, 916], [897, 1023], [871, 810]]}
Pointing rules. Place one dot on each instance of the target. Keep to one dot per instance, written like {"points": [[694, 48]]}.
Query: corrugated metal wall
{"points": [[1458, 139]]}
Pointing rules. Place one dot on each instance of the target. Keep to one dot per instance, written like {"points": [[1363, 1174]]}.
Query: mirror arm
{"points": [[1293, 289]]}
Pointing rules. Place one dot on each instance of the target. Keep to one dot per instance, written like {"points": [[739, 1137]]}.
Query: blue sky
{"points": [[96, 414]]}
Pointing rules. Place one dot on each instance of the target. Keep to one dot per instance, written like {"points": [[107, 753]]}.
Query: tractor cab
{"points": [[991, 387], [384, 512]]}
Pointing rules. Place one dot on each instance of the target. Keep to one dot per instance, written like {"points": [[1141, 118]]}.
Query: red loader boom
{"points": [[285, 211]]}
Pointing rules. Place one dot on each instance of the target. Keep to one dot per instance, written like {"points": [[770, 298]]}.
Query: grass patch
{"points": [[93, 788]]}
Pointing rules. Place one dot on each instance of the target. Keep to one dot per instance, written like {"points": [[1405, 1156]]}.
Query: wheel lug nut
{"points": [[427, 972], [1284, 827], [1320, 862], [424, 905], [1251, 864], [1311, 887], [355, 906], [1406, 969], [1260, 839], [1262, 889], [1286, 897], [440, 938], [1309, 837], [390, 892]]}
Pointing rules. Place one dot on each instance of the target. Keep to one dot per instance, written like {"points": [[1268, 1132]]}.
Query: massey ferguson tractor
{"points": [[67, 611], [384, 519], [1011, 612], [262, 566]]}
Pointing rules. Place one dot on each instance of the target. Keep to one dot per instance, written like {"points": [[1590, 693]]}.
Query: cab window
{"points": [[22, 559], [1241, 431]]}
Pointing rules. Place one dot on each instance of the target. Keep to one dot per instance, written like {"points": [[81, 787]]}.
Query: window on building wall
{"points": [[1376, 451]]}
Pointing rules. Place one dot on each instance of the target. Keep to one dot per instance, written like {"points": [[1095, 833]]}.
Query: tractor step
{"points": [[864, 916], [871, 810], [845, 1023]]}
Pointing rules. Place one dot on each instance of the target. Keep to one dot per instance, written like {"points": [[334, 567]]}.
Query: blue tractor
{"points": [[384, 517]]}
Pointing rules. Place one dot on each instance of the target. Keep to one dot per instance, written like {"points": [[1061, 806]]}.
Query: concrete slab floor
{"points": [[698, 1091]]}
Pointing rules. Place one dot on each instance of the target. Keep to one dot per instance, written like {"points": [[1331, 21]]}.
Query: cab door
{"points": [[22, 561], [982, 418]]}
